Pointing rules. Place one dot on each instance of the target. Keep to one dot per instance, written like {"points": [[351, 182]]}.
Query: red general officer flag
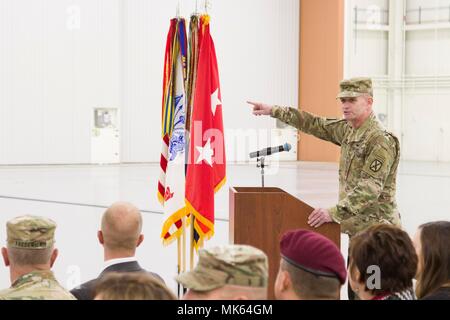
{"points": [[206, 162]]}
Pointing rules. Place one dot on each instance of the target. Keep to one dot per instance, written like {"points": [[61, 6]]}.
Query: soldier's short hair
{"points": [[307, 285], [391, 250], [29, 257]]}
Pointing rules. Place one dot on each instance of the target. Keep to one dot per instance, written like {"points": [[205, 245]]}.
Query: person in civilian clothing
{"points": [[383, 263], [432, 242], [120, 235]]}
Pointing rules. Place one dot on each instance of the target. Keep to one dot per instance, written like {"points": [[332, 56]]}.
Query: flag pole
{"points": [[178, 265], [183, 266], [191, 260]]}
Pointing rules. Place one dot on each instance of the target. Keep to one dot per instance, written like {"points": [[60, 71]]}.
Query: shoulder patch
{"points": [[376, 165], [378, 162]]}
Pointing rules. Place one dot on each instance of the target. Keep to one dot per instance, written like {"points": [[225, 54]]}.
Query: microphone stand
{"points": [[260, 164]]}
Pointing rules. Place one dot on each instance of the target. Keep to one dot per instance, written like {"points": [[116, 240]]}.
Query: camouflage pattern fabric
{"points": [[239, 265], [30, 232], [355, 87], [36, 285], [367, 167]]}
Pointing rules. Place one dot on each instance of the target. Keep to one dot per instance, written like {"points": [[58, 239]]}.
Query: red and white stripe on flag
{"points": [[174, 159]]}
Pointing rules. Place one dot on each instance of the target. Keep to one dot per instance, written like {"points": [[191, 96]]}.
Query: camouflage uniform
{"points": [[36, 285], [239, 265], [368, 163], [33, 233]]}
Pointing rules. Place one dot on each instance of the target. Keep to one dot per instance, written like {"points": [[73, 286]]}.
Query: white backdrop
{"points": [[61, 58], [408, 59]]}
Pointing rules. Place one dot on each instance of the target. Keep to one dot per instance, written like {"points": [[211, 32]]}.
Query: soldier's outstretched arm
{"points": [[260, 109], [373, 176], [332, 130]]}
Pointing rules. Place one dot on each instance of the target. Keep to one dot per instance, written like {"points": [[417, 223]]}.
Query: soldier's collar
{"points": [[358, 134], [29, 277]]}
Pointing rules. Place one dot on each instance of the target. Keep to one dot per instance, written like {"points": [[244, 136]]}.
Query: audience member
{"points": [[311, 267], [432, 243], [383, 263], [231, 272], [120, 235], [30, 255]]}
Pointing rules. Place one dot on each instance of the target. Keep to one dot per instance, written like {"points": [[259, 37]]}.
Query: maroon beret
{"points": [[313, 253]]}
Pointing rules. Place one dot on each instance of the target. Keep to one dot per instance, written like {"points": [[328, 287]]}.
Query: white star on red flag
{"points": [[215, 101], [206, 153]]}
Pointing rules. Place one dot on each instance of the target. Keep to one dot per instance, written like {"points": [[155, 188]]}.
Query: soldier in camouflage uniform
{"points": [[227, 273], [368, 163], [30, 255]]}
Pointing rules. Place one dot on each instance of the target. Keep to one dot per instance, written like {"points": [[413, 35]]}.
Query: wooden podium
{"points": [[260, 216]]}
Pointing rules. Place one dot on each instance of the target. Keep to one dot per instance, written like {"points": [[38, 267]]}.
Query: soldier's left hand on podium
{"points": [[318, 217]]}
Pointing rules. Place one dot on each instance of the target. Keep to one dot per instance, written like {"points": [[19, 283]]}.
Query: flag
{"points": [[166, 115], [206, 160], [192, 68], [171, 186], [192, 62]]}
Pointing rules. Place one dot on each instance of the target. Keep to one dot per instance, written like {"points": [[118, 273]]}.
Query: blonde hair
{"points": [[131, 286]]}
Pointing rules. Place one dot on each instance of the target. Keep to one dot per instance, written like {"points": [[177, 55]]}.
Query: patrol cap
{"points": [[355, 87], [30, 232], [240, 265], [313, 253]]}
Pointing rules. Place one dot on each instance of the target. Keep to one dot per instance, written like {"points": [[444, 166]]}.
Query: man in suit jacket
{"points": [[120, 235]]}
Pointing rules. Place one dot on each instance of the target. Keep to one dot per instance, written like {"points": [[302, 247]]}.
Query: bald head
{"points": [[121, 227]]}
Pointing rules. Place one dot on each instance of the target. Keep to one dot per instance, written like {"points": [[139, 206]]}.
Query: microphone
{"points": [[270, 150]]}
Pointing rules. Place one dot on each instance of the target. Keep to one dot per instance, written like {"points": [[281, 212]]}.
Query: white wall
{"points": [[366, 50], [56, 65], [427, 124], [52, 74], [429, 47], [427, 15], [369, 51], [411, 70], [427, 69]]}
